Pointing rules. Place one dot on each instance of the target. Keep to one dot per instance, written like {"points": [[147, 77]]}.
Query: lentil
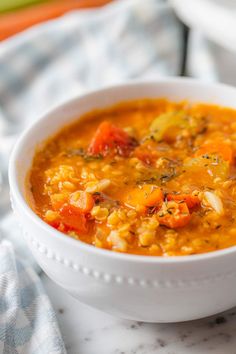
{"points": [[149, 177]]}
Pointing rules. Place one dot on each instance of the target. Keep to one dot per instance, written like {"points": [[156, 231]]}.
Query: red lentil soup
{"points": [[149, 177]]}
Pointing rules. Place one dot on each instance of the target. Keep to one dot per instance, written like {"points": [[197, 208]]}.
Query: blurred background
{"points": [[18, 15], [211, 24]]}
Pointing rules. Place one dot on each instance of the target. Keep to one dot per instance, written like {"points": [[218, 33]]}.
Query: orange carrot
{"points": [[58, 200], [82, 200], [190, 200], [154, 198], [148, 195], [216, 147], [12, 23], [174, 217]]}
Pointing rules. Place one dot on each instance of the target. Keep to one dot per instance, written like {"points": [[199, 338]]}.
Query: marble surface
{"points": [[88, 331]]}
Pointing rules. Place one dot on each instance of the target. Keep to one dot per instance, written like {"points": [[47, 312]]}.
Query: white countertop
{"points": [[88, 331]]}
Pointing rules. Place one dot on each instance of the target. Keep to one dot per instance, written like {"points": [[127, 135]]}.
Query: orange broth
{"points": [[149, 177]]}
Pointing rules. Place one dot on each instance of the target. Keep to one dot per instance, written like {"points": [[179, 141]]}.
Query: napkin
{"points": [[39, 69], [27, 322]]}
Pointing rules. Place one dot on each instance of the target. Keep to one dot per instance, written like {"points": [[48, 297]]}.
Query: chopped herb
{"points": [[148, 180], [81, 152], [206, 157], [167, 177], [75, 152], [151, 210], [88, 158]]}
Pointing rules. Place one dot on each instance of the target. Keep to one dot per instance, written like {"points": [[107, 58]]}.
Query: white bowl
{"points": [[151, 289]]}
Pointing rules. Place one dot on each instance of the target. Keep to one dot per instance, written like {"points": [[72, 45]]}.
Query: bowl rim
{"points": [[51, 232]]}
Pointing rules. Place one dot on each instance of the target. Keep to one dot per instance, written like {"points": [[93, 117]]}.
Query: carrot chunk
{"points": [[216, 147], [109, 137], [58, 200], [148, 195], [174, 215], [190, 200], [82, 200]]}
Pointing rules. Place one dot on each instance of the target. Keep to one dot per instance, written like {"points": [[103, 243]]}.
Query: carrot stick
{"points": [[13, 23]]}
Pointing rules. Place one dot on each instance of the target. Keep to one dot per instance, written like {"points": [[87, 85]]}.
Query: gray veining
{"points": [[88, 331]]}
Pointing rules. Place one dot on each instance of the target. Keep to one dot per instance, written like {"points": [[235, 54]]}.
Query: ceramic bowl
{"points": [[151, 289]]}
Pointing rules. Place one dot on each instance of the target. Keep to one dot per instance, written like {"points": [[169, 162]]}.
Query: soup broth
{"points": [[149, 177]]}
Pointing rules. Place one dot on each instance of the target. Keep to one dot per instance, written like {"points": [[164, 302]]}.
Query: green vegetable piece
{"points": [[9, 5], [166, 121]]}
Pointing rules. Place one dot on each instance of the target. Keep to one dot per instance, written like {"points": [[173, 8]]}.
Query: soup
{"points": [[149, 177]]}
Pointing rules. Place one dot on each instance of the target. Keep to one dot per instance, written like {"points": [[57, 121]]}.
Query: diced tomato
{"points": [[149, 157], [73, 218], [174, 218], [55, 223], [109, 137], [190, 200]]}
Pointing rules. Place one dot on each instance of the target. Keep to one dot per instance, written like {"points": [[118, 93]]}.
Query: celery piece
{"points": [[168, 120], [9, 5]]}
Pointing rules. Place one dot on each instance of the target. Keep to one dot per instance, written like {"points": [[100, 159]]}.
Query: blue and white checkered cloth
{"points": [[27, 321], [39, 69]]}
